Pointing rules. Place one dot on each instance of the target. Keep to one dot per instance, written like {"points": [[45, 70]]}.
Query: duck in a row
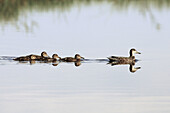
{"points": [[76, 58], [32, 57], [125, 60], [44, 57]]}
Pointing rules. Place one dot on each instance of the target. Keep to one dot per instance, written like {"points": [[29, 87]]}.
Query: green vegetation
{"points": [[10, 10]]}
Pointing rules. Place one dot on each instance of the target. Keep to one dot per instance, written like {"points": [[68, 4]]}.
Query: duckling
{"points": [[31, 57], [43, 55], [25, 58], [125, 60], [54, 58], [71, 59]]}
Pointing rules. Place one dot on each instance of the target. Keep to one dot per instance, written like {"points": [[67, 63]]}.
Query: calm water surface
{"points": [[94, 30]]}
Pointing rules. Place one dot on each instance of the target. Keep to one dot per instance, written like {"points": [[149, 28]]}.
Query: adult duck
{"points": [[125, 60]]}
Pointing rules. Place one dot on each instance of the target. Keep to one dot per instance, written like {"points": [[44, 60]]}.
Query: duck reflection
{"points": [[55, 63], [32, 62], [132, 67], [77, 63]]}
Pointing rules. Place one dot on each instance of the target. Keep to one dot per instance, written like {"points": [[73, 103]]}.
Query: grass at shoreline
{"points": [[10, 10]]}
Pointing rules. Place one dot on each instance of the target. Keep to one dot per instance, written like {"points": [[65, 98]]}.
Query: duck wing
{"points": [[68, 59], [113, 58]]}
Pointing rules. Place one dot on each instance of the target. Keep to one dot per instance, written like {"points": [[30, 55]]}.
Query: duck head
{"points": [[133, 51], [77, 56], [44, 54], [55, 56]]}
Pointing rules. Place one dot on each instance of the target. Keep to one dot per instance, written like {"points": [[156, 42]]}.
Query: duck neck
{"points": [[132, 57], [131, 54]]}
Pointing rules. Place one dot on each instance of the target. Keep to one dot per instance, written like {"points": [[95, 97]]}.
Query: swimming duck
{"points": [[71, 59], [125, 60], [25, 58], [43, 55], [31, 57], [54, 58]]}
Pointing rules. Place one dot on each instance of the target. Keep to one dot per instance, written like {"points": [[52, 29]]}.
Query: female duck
{"points": [[31, 57], [71, 59], [125, 60]]}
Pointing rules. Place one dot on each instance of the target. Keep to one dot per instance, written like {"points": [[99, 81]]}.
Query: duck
{"points": [[71, 59], [25, 58], [54, 58], [32, 57], [43, 55], [125, 60]]}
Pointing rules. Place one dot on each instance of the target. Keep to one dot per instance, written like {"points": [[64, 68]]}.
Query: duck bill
{"points": [[138, 52], [82, 57]]}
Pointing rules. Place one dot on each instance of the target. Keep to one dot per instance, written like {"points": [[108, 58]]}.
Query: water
{"points": [[95, 30]]}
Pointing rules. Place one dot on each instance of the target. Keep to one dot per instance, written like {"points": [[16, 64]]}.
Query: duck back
{"points": [[69, 59]]}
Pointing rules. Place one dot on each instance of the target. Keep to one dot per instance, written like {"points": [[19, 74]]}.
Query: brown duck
{"points": [[31, 57], [124, 60], [54, 58], [71, 59]]}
